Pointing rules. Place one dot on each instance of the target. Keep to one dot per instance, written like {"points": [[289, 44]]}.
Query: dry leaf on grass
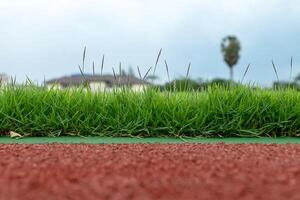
{"points": [[13, 134]]}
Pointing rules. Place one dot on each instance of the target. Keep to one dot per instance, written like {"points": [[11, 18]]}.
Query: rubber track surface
{"points": [[150, 171]]}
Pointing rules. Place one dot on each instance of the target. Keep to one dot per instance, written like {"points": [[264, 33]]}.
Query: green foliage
{"points": [[215, 112], [190, 85], [292, 84], [285, 85], [217, 82], [182, 85]]}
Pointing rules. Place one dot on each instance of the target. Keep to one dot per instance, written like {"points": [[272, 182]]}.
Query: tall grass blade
{"points": [[13, 80], [120, 69], [93, 68], [156, 62], [246, 71], [85, 83], [114, 73], [29, 81], [187, 75], [115, 77], [145, 76], [291, 70], [275, 70], [102, 65], [167, 68], [83, 58], [139, 72], [188, 70]]}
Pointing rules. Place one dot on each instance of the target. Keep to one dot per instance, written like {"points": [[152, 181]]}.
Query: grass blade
{"points": [[139, 72], [147, 73], [291, 70], [83, 58], [102, 65], [93, 68], [247, 68], [114, 73], [274, 67], [115, 76], [167, 68], [187, 75], [188, 70], [157, 59], [82, 74]]}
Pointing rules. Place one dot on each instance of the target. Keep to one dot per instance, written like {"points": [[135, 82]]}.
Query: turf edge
{"points": [[128, 140]]}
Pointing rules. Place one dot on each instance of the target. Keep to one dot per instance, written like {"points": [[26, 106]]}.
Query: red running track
{"points": [[149, 171]]}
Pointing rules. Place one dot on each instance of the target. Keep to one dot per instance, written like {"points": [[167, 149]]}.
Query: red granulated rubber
{"points": [[149, 171]]}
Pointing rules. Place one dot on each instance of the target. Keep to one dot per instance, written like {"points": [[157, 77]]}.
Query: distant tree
{"points": [[285, 85], [230, 48], [216, 81], [130, 71], [220, 81], [200, 80], [297, 79], [123, 72]]}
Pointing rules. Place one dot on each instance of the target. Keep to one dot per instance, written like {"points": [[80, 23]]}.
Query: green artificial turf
{"points": [[127, 140], [217, 112]]}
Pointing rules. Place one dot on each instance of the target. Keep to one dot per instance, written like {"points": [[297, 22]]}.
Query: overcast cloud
{"points": [[46, 38]]}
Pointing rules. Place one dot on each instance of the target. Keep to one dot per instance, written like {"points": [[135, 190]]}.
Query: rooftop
{"points": [[110, 80]]}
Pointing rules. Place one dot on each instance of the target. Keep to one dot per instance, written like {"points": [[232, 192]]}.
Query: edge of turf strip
{"points": [[128, 140]]}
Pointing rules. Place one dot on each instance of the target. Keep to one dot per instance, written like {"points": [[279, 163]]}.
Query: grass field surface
{"points": [[217, 112]]}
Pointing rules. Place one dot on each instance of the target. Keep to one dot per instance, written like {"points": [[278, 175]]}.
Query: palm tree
{"points": [[230, 48]]}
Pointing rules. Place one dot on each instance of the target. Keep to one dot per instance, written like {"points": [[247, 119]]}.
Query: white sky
{"points": [[43, 37]]}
